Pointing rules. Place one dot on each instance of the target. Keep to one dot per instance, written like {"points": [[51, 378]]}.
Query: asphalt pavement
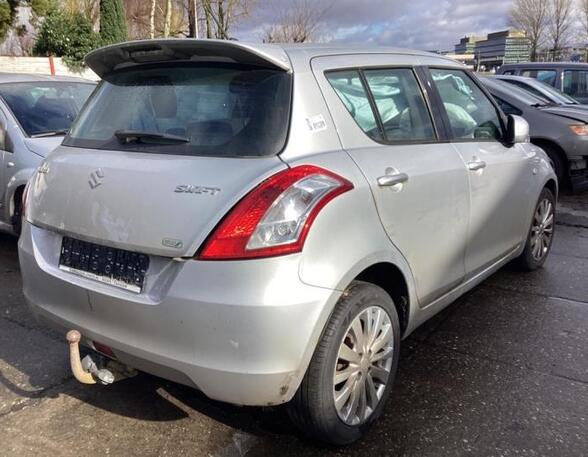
{"points": [[501, 372]]}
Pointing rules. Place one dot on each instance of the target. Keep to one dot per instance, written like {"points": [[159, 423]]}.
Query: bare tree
{"points": [[89, 8], [297, 24], [530, 16], [561, 21], [152, 19], [584, 17], [168, 18], [220, 15], [193, 19]]}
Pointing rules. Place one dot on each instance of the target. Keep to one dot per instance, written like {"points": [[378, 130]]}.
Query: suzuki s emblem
{"points": [[96, 178]]}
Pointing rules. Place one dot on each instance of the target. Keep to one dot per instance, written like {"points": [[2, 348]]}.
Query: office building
{"points": [[507, 46]]}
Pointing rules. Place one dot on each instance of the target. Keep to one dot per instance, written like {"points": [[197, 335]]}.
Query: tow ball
{"points": [[87, 371]]}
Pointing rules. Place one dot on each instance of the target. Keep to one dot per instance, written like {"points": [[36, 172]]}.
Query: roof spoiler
{"points": [[132, 53]]}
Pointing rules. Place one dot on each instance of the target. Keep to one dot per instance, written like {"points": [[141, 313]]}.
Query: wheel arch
{"points": [[390, 278], [551, 184], [550, 144]]}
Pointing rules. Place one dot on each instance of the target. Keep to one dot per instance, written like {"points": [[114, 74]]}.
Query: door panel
{"points": [[427, 216], [498, 181], [420, 185]]}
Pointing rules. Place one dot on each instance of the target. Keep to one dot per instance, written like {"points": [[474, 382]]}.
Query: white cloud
{"points": [[422, 24]]}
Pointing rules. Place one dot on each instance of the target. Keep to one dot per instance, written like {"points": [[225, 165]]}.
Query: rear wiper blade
{"points": [[50, 133], [137, 136]]}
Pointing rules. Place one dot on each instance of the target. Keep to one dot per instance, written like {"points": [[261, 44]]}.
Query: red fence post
{"points": [[51, 66]]}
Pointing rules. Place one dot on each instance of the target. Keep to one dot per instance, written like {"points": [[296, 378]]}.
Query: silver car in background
{"points": [[265, 223], [35, 113]]}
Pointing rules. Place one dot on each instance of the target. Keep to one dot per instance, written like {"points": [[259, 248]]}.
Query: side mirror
{"points": [[517, 130]]}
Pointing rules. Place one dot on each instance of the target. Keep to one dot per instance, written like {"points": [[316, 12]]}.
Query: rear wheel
{"points": [[541, 233], [353, 368]]}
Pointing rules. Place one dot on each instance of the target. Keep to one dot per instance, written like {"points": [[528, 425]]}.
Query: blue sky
{"points": [[420, 24]]}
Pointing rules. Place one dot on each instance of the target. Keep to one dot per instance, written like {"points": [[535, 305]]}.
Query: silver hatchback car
{"points": [[265, 223]]}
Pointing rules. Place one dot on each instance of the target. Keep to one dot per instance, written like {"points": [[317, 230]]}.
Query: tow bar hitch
{"points": [[87, 371]]}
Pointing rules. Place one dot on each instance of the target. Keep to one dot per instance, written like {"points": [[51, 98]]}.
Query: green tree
{"points": [[7, 16], [70, 36], [113, 28]]}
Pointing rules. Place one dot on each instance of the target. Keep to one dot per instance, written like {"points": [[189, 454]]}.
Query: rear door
{"points": [[499, 185], [418, 180]]}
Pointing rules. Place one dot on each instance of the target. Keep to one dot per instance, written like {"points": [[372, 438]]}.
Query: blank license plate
{"points": [[117, 267]]}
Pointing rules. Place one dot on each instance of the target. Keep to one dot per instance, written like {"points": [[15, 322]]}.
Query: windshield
{"points": [[45, 107], [523, 96], [556, 95], [188, 109]]}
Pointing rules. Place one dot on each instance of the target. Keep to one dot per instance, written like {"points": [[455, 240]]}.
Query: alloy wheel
{"points": [[363, 365], [542, 229]]}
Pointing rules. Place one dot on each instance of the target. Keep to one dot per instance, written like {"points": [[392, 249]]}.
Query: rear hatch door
{"points": [[149, 203]]}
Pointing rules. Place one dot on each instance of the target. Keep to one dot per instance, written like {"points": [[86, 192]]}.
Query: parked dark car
{"points": [[542, 90], [569, 77], [562, 132]]}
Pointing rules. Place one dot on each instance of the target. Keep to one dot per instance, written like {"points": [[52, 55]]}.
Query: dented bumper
{"points": [[240, 335]]}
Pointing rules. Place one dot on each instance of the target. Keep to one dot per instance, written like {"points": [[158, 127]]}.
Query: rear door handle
{"points": [[392, 180], [10, 165], [476, 165]]}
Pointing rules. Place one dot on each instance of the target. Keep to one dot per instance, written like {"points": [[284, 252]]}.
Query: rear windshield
{"points": [[45, 107], [188, 109]]}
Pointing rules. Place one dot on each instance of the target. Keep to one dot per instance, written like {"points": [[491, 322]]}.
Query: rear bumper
{"points": [[241, 332]]}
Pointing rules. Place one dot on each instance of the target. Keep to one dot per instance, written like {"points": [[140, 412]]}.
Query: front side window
{"points": [[545, 76], [576, 83], [349, 88], [45, 107], [472, 116], [400, 105], [198, 109]]}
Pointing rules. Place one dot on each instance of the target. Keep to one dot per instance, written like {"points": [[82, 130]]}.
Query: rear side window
{"points": [[400, 105], [576, 83], [545, 76], [188, 109], [472, 116], [350, 89]]}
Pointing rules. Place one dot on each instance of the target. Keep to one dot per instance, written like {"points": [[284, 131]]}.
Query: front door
{"points": [[419, 182], [497, 173]]}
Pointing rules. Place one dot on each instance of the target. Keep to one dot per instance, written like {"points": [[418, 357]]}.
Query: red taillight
{"points": [[102, 348], [274, 218]]}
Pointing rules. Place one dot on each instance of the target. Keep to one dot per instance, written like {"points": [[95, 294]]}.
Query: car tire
{"points": [[542, 230], [313, 408], [17, 217], [557, 163]]}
